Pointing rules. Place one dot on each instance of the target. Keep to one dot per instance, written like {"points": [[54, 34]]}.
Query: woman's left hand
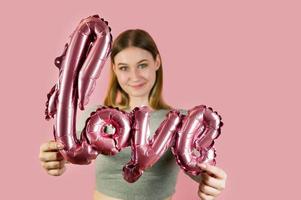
{"points": [[213, 182]]}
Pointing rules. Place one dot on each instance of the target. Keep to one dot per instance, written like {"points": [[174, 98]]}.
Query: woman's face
{"points": [[136, 69]]}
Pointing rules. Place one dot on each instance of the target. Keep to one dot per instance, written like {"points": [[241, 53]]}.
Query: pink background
{"points": [[241, 58]]}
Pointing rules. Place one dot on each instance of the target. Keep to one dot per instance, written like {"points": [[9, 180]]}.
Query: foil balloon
{"points": [[146, 151], [194, 141], [108, 130], [79, 66], [190, 137]]}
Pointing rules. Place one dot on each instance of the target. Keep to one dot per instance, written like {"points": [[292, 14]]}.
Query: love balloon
{"points": [[190, 137]]}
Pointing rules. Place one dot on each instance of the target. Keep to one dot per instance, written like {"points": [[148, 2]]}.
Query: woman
{"points": [[136, 80]]}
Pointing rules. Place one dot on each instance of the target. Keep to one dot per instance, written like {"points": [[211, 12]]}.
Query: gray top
{"points": [[157, 182]]}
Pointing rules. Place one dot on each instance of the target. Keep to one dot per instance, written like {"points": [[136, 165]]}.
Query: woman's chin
{"points": [[139, 94]]}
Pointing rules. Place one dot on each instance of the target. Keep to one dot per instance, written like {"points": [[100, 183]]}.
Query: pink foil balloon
{"points": [[146, 152], [104, 141], [191, 137], [195, 139], [79, 66]]}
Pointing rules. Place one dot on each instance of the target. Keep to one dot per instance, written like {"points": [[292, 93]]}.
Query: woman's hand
{"points": [[51, 159], [213, 182]]}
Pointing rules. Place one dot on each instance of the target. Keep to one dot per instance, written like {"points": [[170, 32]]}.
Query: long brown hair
{"points": [[116, 96]]}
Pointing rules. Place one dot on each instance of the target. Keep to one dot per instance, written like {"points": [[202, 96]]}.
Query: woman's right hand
{"points": [[51, 159]]}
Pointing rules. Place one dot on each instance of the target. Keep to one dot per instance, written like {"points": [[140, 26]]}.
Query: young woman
{"points": [[136, 80]]}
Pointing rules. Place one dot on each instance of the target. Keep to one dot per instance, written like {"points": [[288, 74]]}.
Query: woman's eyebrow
{"points": [[137, 62]]}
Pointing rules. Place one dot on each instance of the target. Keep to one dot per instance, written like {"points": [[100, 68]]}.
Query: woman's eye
{"points": [[123, 68], [143, 65]]}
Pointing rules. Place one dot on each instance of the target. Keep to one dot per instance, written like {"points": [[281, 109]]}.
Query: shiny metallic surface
{"points": [[79, 66]]}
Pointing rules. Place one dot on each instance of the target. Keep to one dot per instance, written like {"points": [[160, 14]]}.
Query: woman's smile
{"points": [[138, 86]]}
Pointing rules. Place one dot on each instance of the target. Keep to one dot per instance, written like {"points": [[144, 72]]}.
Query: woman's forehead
{"points": [[132, 55]]}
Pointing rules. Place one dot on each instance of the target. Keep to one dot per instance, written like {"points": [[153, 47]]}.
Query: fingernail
{"points": [[60, 146]]}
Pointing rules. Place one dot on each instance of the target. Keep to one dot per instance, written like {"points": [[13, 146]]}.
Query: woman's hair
{"points": [[116, 96]]}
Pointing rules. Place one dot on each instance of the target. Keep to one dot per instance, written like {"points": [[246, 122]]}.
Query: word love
{"points": [[191, 138]]}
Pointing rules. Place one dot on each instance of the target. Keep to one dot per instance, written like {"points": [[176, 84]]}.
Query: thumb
{"points": [[212, 170]]}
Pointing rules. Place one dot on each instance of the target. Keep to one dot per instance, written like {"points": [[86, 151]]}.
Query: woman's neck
{"points": [[138, 102]]}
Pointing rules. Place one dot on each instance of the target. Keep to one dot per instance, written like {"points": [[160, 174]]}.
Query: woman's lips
{"points": [[138, 86]]}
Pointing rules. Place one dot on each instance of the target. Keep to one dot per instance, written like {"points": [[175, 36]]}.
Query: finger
{"points": [[57, 172], [53, 164], [213, 182], [204, 196], [51, 156], [51, 146], [216, 171], [209, 190]]}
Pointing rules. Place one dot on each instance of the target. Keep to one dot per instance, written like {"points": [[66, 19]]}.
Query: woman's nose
{"points": [[135, 74]]}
